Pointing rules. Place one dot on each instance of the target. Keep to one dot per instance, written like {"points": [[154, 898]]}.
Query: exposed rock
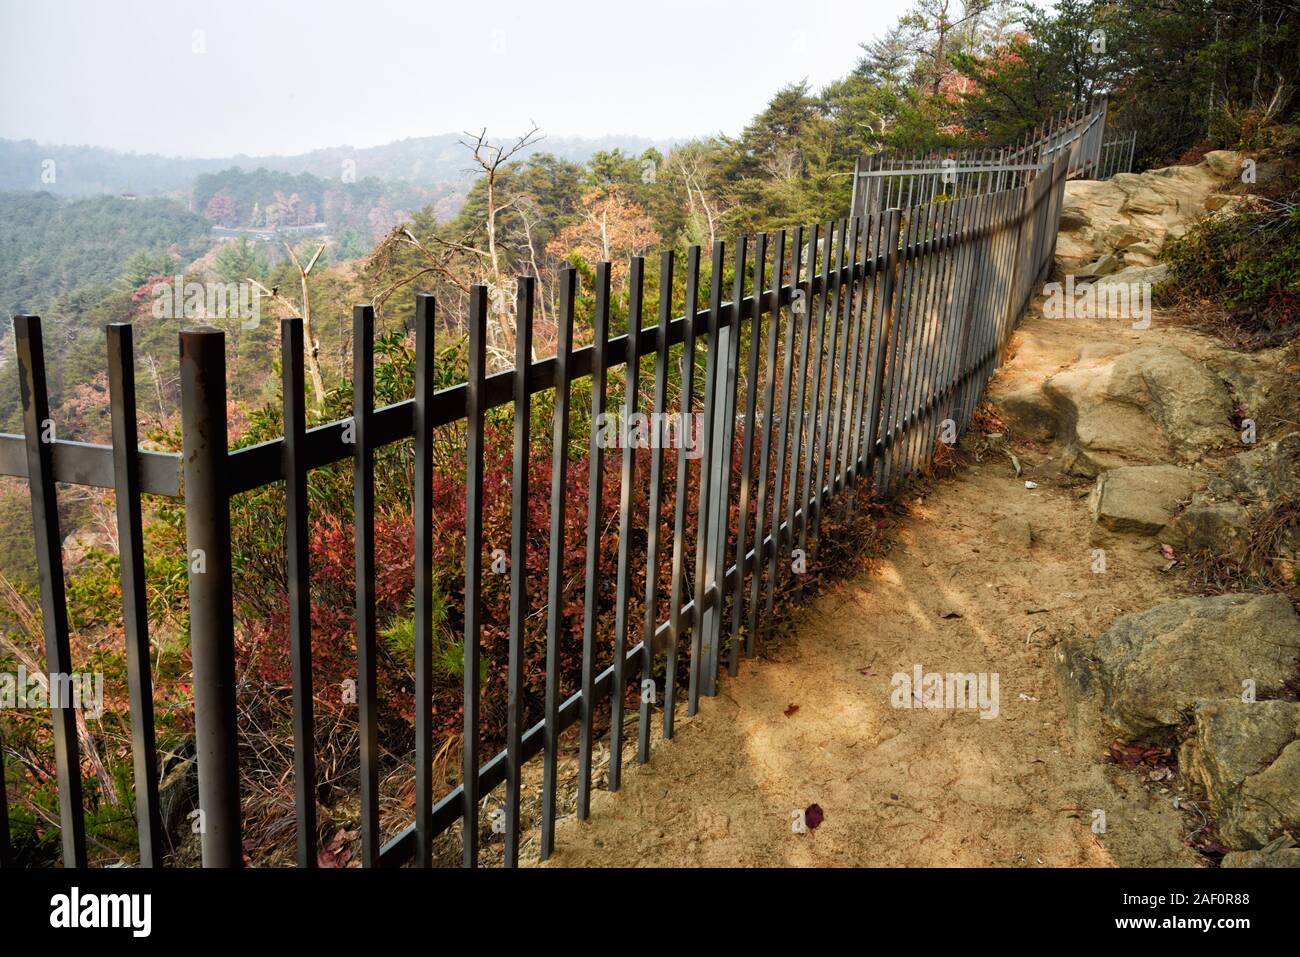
{"points": [[1140, 499], [1223, 162], [1107, 410], [1137, 273], [1266, 475], [1104, 266], [1267, 804], [1100, 217], [1220, 528], [1232, 740], [1190, 403], [1281, 857], [1148, 668]]}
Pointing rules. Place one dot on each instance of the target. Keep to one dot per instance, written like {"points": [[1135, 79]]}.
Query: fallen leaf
{"points": [[813, 816]]}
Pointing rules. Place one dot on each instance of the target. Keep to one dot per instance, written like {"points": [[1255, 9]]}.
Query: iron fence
{"points": [[887, 178], [865, 342]]}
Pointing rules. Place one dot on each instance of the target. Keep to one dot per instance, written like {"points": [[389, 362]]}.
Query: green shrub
{"points": [[1248, 262]]}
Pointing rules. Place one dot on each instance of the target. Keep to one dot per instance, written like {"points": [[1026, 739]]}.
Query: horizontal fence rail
{"points": [[843, 354]]}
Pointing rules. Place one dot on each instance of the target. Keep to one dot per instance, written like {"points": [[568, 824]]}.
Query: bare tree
{"points": [[311, 345], [490, 158], [696, 192]]}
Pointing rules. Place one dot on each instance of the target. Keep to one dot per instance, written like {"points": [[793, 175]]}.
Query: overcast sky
{"points": [[215, 78]]}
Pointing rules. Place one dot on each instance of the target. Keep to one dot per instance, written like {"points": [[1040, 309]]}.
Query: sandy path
{"points": [[919, 786]]}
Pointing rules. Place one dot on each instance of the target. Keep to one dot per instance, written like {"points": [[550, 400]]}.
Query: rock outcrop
{"points": [[1147, 406], [1246, 756], [1148, 669], [1125, 221]]}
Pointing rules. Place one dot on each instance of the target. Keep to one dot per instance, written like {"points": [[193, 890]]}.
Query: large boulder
{"points": [[1140, 499], [1219, 528], [1147, 669], [1188, 401], [1232, 739], [1267, 805], [1143, 407]]}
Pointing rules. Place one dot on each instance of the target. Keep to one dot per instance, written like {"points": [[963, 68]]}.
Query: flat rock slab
{"points": [[1141, 498], [1143, 673]]}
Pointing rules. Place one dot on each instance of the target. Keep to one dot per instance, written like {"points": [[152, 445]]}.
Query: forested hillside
{"points": [[50, 246], [421, 161]]}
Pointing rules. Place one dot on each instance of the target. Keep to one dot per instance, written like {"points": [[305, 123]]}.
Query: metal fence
{"points": [[864, 341], [887, 178]]}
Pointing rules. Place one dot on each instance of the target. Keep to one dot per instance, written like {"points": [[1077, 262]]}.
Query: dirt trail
{"points": [[961, 591]]}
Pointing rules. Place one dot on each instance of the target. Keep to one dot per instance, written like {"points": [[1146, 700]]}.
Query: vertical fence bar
{"points": [[555, 569], [526, 293], [934, 343], [712, 358], [363, 499], [38, 428], [765, 453], [884, 335], [623, 586], [135, 602], [862, 349], [843, 395], [425, 373], [658, 427], [747, 454], [475, 408], [779, 537], [724, 442], [690, 310], [212, 625], [814, 392], [797, 510], [298, 572], [591, 596], [832, 347]]}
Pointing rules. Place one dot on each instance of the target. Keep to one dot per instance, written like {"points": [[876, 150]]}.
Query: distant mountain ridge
{"points": [[421, 160]]}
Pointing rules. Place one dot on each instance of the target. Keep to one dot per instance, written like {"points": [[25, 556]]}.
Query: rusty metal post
{"points": [[212, 629]]}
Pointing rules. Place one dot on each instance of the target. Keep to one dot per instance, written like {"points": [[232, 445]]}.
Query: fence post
{"points": [[39, 432], [212, 629]]}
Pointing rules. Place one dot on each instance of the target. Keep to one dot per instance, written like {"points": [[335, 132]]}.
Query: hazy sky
{"points": [[216, 78]]}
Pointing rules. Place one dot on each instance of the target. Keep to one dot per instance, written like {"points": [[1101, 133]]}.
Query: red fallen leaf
{"points": [[789, 712], [1132, 755], [337, 852], [813, 816]]}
